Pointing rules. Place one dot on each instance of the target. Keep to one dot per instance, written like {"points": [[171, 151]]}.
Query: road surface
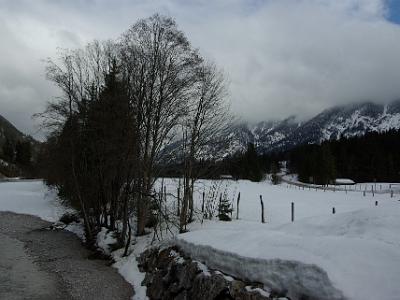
{"points": [[44, 264]]}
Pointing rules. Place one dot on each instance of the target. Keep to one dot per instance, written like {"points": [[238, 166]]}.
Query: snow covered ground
{"points": [[30, 197], [358, 247], [355, 251]]}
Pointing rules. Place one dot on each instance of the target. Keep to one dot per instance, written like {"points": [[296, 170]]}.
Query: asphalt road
{"points": [[44, 264]]}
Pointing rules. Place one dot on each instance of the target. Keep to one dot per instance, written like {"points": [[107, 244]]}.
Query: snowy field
{"points": [[30, 197], [357, 249]]}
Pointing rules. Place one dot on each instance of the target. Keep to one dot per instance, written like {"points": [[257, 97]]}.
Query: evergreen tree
{"points": [[23, 152], [224, 209], [9, 150], [252, 164], [275, 179]]}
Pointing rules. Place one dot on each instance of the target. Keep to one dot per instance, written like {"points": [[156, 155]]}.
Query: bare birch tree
{"points": [[159, 68], [204, 130]]}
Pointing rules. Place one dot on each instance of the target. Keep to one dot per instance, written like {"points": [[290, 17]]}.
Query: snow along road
{"points": [[36, 263]]}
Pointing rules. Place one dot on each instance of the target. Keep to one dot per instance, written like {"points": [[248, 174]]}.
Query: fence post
{"points": [[391, 193], [333, 210], [376, 203], [364, 193], [178, 213], [292, 211], [237, 206], [262, 210], [202, 203]]}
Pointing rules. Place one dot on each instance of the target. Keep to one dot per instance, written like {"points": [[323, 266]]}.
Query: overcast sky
{"points": [[282, 57]]}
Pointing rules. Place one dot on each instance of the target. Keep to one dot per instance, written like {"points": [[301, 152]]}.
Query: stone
{"points": [[207, 287], [236, 287], [187, 275], [156, 289]]}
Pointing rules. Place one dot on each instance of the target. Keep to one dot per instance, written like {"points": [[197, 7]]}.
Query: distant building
{"points": [[230, 177]]}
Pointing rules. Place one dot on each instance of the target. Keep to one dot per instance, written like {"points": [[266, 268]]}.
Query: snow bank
{"points": [[284, 276], [30, 197], [105, 239], [128, 266]]}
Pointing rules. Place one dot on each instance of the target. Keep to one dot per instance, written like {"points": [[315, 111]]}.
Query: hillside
{"points": [[8, 130], [17, 151]]}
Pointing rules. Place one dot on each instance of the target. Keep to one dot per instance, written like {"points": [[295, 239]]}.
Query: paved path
{"points": [[42, 264]]}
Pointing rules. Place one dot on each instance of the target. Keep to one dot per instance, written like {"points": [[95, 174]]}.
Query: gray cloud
{"points": [[282, 57]]}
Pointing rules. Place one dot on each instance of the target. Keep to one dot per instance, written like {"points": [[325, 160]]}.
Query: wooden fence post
{"points": [[237, 206], [202, 202], [178, 198], [376, 203], [262, 210], [333, 210], [292, 211]]}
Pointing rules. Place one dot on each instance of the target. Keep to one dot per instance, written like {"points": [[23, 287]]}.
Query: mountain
{"points": [[347, 121], [12, 165], [8, 130]]}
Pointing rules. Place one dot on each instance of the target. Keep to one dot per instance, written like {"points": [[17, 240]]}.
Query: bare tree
{"points": [[159, 68], [204, 130]]}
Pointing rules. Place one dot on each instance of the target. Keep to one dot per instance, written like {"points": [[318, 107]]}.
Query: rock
{"points": [[207, 287], [170, 276], [147, 260], [156, 289], [148, 279], [187, 275], [236, 288], [182, 296]]}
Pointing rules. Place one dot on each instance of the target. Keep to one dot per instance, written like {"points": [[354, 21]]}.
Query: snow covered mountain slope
{"points": [[347, 121]]}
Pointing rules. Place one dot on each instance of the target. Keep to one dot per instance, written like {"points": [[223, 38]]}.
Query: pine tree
{"points": [[224, 209], [275, 179], [9, 150], [252, 164], [23, 153]]}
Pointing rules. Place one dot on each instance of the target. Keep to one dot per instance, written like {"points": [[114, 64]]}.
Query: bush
{"points": [[68, 218]]}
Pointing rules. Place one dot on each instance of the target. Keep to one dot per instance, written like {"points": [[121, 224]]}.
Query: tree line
{"points": [[123, 104], [371, 157], [17, 156], [18, 152]]}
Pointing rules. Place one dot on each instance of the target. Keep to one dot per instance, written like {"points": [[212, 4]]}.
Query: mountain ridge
{"points": [[332, 123], [8, 130]]}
